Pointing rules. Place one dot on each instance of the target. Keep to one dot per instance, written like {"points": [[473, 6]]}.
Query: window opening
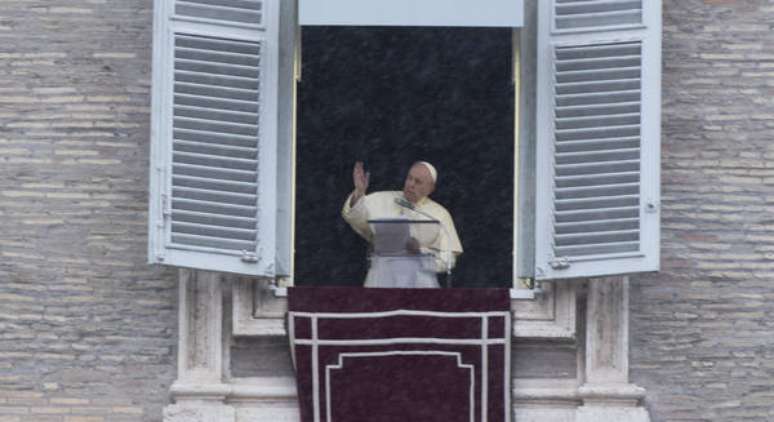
{"points": [[391, 96]]}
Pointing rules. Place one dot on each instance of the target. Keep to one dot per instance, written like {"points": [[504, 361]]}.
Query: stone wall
{"points": [[87, 328], [702, 329]]}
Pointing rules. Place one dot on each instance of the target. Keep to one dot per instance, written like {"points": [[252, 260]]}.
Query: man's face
{"points": [[418, 184]]}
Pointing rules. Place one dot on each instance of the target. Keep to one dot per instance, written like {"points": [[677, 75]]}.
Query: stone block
{"points": [[199, 413]]}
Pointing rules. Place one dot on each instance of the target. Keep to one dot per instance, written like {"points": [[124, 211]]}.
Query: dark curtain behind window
{"points": [[392, 96]]}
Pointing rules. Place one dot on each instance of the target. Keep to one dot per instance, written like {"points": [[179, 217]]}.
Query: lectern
{"points": [[392, 263]]}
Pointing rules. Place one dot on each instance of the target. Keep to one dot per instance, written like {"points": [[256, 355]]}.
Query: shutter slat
{"points": [[213, 231], [214, 64], [597, 179], [213, 208], [598, 191], [212, 185], [215, 126], [597, 133], [571, 7], [598, 19], [223, 11], [206, 159], [217, 12], [248, 61], [215, 149], [597, 168], [598, 226], [598, 98], [211, 242], [229, 197], [598, 156], [616, 63], [213, 173], [217, 81], [582, 145], [596, 15], [229, 139], [242, 4], [597, 86], [606, 250], [212, 161], [598, 109], [577, 239], [215, 68], [597, 50], [215, 44], [214, 220], [597, 121], [226, 198], [220, 93], [216, 103], [601, 74], [581, 216], [597, 203], [200, 113]]}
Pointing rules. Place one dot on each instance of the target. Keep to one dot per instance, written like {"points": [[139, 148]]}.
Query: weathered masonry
{"points": [[587, 79], [89, 332]]}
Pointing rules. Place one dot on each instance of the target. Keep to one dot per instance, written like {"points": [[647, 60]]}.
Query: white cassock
{"points": [[434, 243]]}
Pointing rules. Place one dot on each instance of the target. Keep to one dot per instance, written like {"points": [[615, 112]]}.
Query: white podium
{"points": [[392, 264]]}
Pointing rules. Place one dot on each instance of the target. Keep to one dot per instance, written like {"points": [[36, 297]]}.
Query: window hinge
{"points": [[561, 263], [249, 257], [166, 209], [651, 206]]}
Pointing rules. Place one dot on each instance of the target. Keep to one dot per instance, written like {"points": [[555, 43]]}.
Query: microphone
{"points": [[405, 203]]}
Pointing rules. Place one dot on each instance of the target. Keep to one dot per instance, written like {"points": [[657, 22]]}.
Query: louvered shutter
{"points": [[598, 136], [214, 158]]}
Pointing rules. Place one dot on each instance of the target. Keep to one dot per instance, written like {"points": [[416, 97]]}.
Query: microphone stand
{"points": [[404, 203]]}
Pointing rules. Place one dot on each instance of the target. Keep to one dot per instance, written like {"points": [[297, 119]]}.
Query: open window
{"points": [[586, 131], [389, 96]]}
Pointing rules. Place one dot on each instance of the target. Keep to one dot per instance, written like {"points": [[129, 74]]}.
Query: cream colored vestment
{"points": [[432, 241]]}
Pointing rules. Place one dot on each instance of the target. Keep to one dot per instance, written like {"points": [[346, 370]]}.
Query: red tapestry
{"points": [[401, 355]]}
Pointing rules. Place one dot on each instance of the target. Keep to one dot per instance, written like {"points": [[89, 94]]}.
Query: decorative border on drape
{"points": [[335, 336]]}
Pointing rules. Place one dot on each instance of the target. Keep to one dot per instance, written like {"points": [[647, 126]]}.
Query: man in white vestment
{"points": [[431, 248]]}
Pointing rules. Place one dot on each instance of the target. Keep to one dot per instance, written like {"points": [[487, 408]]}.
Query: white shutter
{"points": [[214, 158], [598, 136]]}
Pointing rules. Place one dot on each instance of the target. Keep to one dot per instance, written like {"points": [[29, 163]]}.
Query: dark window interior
{"points": [[389, 97]]}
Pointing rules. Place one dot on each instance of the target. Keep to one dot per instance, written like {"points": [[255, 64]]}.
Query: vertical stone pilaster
{"points": [[201, 327], [199, 391], [607, 360], [606, 392]]}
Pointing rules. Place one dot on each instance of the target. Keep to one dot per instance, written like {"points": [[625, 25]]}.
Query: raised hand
{"points": [[360, 180], [412, 246]]}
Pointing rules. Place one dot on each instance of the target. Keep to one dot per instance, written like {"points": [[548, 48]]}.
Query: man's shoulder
{"points": [[382, 195], [390, 193], [380, 199], [435, 207]]}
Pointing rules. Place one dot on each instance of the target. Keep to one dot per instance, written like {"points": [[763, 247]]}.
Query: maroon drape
{"points": [[401, 355]]}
